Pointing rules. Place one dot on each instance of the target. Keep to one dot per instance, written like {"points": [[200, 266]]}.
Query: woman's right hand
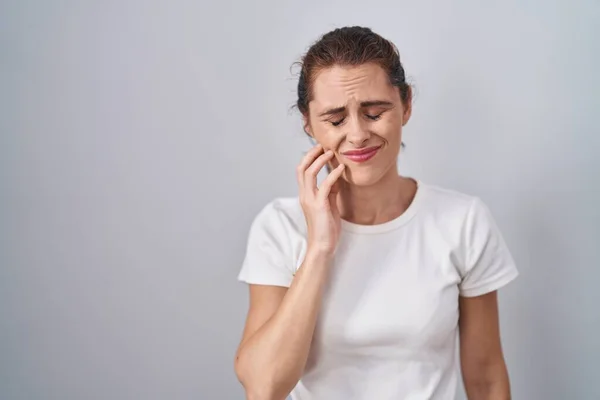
{"points": [[319, 204]]}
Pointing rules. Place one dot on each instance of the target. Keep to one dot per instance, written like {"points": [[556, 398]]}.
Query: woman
{"points": [[360, 288]]}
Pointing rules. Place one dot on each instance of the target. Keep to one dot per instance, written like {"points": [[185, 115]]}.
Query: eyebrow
{"points": [[364, 104]]}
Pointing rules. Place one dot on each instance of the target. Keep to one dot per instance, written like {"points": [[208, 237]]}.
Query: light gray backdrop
{"points": [[139, 139]]}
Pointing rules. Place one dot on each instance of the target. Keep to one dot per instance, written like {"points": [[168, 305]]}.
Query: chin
{"points": [[363, 176]]}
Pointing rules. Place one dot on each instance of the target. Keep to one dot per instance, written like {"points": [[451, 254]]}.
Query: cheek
{"points": [[330, 139], [390, 130]]}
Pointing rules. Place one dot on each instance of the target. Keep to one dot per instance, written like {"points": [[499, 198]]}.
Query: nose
{"points": [[357, 133]]}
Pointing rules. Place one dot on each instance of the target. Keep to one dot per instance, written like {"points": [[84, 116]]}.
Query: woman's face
{"points": [[358, 114]]}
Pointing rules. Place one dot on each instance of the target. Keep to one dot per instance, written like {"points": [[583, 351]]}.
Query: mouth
{"points": [[361, 155]]}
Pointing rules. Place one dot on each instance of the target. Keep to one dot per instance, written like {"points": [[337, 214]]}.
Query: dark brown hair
{"points": [[350, 46]]}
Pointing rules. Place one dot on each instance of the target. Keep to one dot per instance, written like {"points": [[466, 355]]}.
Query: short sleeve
{"points": [[489, 263], [267, 258]]}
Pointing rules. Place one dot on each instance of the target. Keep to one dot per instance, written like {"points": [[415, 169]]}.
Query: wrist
{"points": [[318, 255]]}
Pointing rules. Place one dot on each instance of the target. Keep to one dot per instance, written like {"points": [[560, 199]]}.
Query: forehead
{"points": [[337, 86]]}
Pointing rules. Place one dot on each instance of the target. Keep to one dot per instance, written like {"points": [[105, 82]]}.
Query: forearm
{"points": [[272, 360], [488, 384], [483, 368]]}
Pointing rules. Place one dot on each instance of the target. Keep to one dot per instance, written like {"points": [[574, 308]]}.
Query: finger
{"points": [[310, 176], [331, 179], [306, 161], [333, 163], [335, 188], [333, 206]]}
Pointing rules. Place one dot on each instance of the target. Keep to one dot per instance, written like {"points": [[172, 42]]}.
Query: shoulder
{"points": [[446, 204], [285, 210], [274, 243], [281, 212], [482, 257], [454, 213]]}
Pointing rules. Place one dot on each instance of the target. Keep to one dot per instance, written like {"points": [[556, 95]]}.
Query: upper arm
{"points": [[270, 258], [488, 264], [480, 343], [264, 302], [268, 267]]}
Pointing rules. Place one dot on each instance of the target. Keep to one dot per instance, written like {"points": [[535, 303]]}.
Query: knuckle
{"points": [[309, 172], [304, 199]]}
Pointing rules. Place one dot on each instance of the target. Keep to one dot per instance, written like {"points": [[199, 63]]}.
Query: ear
{"points": [[407, 108], [407, 114], [307, 127]]}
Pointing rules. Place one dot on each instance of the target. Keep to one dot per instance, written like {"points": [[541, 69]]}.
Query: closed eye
{"points": [[374, 117], [337, 123], [371, 117]]}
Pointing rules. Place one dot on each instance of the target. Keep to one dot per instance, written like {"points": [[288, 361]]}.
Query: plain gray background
{"points": [[139, 139]]}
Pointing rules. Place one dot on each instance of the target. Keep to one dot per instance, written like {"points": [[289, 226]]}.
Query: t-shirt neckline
{"points": [[392, 224]]}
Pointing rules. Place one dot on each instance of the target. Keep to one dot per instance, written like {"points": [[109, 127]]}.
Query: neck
{"points": [[378, 203]]}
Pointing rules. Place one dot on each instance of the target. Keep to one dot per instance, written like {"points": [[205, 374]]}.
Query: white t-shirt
{"points": [[388, 323]]}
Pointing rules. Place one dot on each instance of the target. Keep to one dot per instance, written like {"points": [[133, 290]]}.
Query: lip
{"points": [[361, 155]]}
